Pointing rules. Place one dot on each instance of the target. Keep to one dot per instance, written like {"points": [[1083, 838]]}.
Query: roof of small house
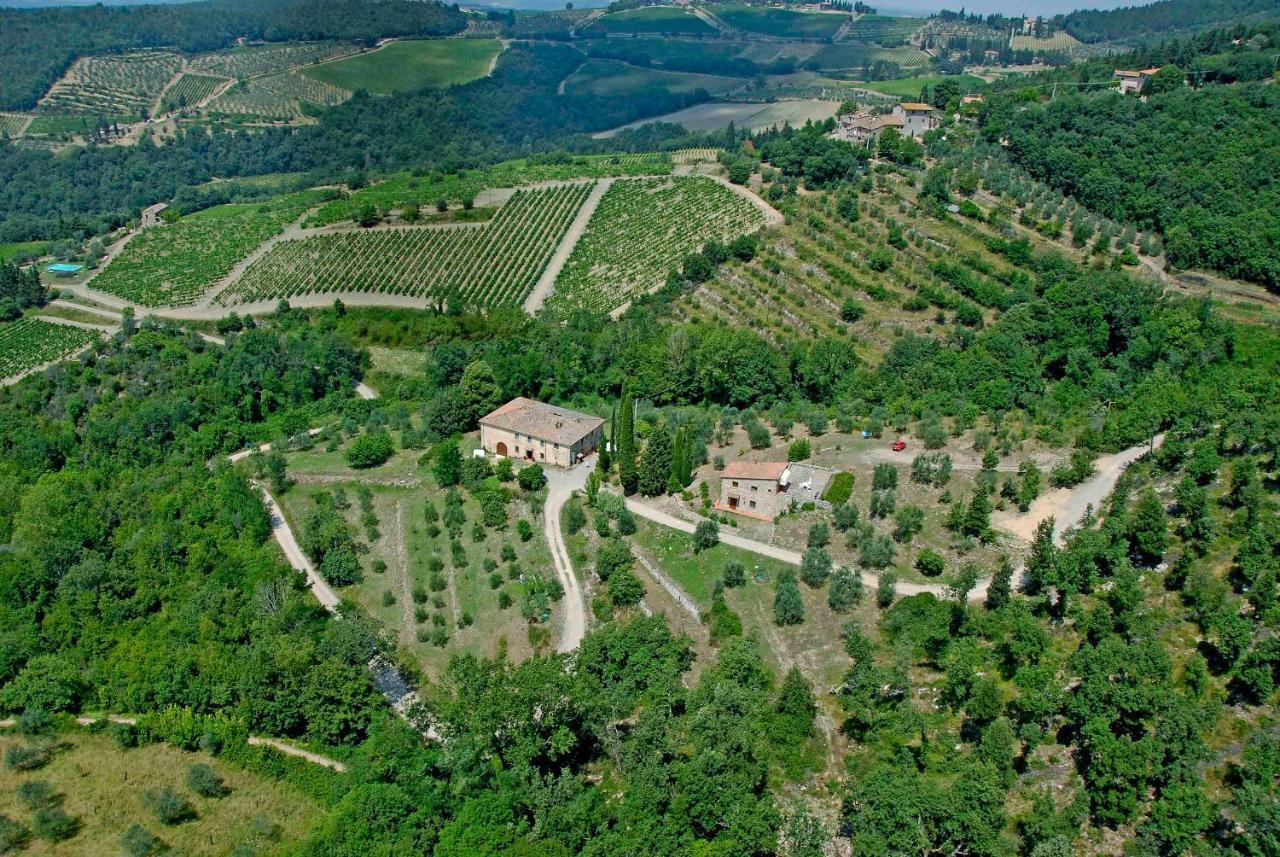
{"points": [[771, 470], [542, 421], [155, 209], [914, 106]]}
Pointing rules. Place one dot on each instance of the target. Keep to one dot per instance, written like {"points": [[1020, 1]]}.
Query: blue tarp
{"points": [[64, 268]]}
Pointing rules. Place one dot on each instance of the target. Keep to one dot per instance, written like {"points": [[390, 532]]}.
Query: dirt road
{"points": [[546, 282], [560, 487]]}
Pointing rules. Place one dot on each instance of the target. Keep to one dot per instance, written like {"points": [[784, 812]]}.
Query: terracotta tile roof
{"points": [[771, 470], [916, 105], [542, 421]]}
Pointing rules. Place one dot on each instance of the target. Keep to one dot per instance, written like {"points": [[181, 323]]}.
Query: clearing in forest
{"points": [[641, 230], [103, 789], [489, 264], [408, 65], [173, 265]]}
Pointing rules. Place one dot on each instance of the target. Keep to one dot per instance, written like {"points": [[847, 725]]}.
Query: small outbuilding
{"points": [[535, 431], [756, 489]]}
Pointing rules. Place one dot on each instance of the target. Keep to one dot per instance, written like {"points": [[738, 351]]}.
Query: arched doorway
{"points": [[501, 449]]}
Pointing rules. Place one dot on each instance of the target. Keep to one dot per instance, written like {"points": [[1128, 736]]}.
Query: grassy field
{"points": [[410, 65], [783, 23], [641, 230], [655, 19], [909, 87], [608, 78], [18, 248], [102, 788], [463, 601], [173, 265]]}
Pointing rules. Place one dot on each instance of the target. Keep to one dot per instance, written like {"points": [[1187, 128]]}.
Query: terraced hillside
{"points": [[112, 85], [276, 96], [490, 264], [173, 265], [243, 63], [190, 89], [642, 229]]}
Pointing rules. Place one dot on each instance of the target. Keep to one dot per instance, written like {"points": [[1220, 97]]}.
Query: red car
{"points": [[899, 445]]}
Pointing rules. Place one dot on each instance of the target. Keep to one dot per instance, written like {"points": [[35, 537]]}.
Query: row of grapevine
{"points": [[174, 265], [491, 264], [190, 90], [29, 342], [112, 85], [242, 63], [642, 229], [277, 96], [13, 124], [425, 189]]}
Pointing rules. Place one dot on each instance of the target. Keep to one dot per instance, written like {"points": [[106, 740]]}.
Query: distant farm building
{"points": [[151, 215], [757, 489], [536, 431], [1133, 81]]}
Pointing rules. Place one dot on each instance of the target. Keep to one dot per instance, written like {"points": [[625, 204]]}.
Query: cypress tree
{"points": [[626, 443], [681, 467], [655, 463], [1001, 588]]}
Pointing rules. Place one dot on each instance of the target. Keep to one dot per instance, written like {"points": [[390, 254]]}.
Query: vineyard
{"points": [[642, 229], [243, 63], [783, 23], [13, 124], [608, 78], [655, 19], [190, 90], [112, 85], [853, 55], [276, 96], [409, 64], [883, 30], [403, 188], [492, 264], [1059, 41], [29, 342], [174, 265]]}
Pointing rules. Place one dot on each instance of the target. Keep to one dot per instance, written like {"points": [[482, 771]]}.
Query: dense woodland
{"points": [[1134, 24], [1202, 165], [37, 45]]}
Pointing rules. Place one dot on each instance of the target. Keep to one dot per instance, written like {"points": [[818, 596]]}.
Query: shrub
{"points": [[819, 535], [839, 489], [845, 591], [788, 606], [26, 758], [800, 450], [13, 834], [369, 450], [734, 574], [886, 588], [706, 535], [574, 517], [168, 806], [625, 589], [815, 567], [504, 600], [531, 478], [930, 563], [137, 841], [53, 823], [202, 780], [37, 794], [524, 530]]}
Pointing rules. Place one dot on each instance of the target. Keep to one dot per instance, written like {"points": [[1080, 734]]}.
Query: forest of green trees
{"points": [[1135, 24]]}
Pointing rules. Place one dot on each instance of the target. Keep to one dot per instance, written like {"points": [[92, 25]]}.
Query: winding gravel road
{"points": [[560, 487]]}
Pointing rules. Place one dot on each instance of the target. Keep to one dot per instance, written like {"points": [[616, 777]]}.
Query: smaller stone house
{"points": [[862, 129], [151, 215], [756, 489], [917, 117], [1133, 81], [535, 431]]}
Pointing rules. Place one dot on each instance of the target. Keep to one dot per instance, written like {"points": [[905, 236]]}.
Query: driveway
{"points": [[560, 487]]}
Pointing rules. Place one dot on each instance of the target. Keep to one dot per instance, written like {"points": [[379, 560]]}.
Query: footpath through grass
{"points": [[410, 65]]}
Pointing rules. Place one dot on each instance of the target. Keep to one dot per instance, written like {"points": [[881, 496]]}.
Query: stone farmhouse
{"points": [[151, 215], [535, 431], [917, 117], [756, 489], [1133, 81]]}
